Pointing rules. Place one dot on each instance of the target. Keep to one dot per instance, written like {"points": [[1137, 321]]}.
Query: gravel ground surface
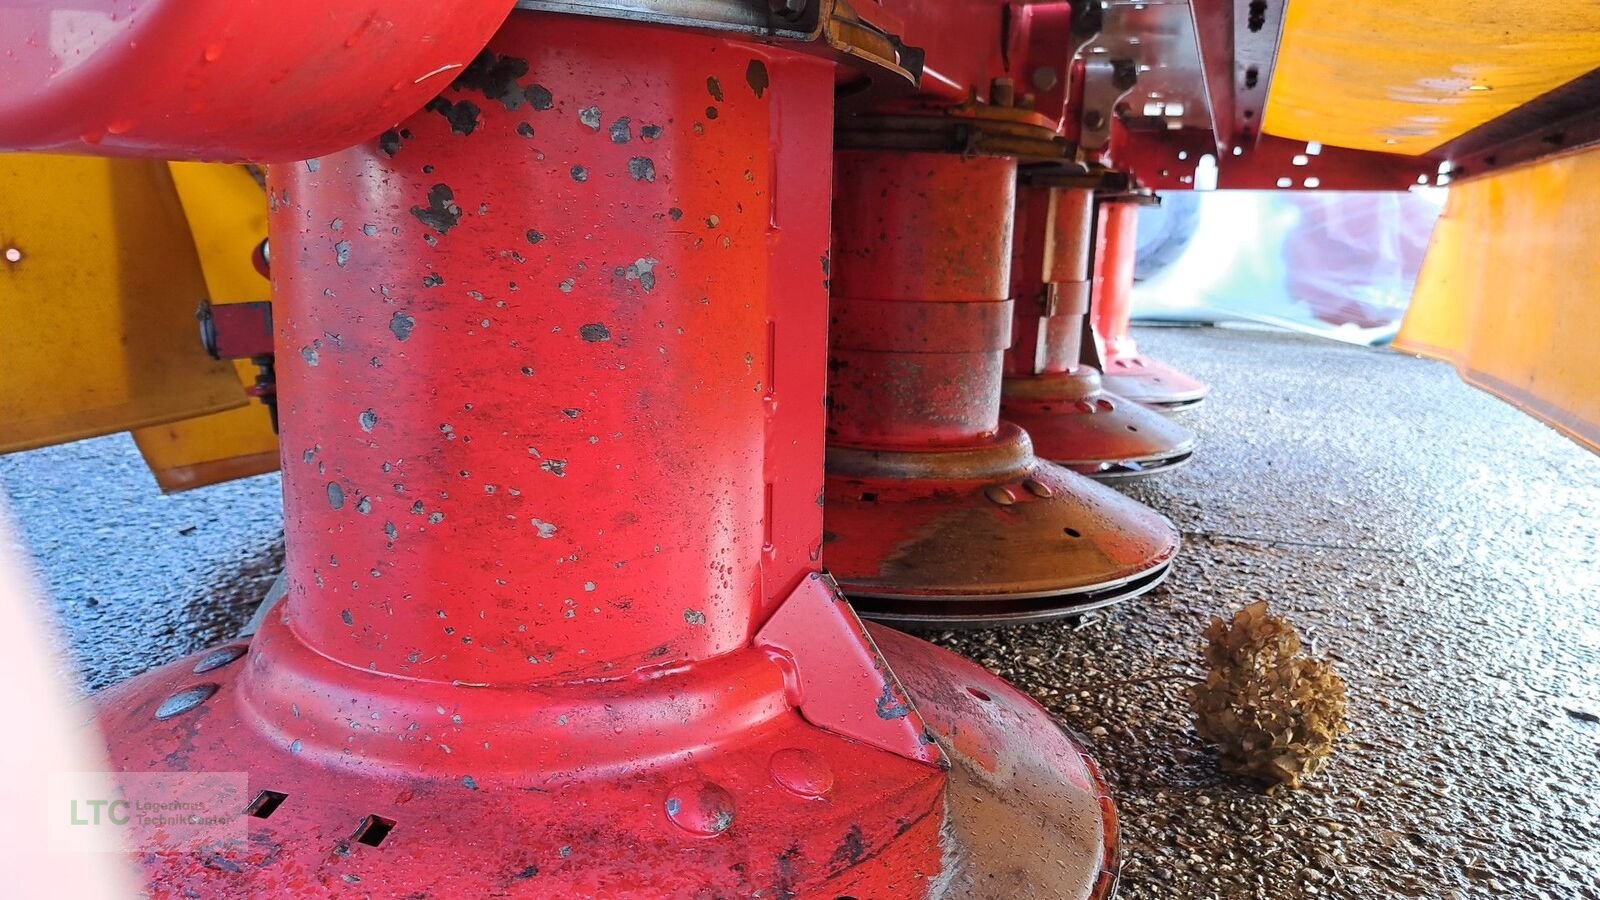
{"points": [[1440, 546]]}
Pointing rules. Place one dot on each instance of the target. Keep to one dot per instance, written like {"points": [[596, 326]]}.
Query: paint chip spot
{"points": [[369, 421], [590, 117], [341, 253], [442, 213], [621, 131], [755, 75], [335, 495], [694, 617], [534, 237], [595, 332], [546, 529], [401, 325], [580, 174], [714, 87], [462, 116], [642, 168]]}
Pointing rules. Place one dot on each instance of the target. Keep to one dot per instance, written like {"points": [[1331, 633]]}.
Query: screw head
{"points": [[1000, 494], [185, 700], [700, 807], [801, 772], [1045, 77], [218, 658]]}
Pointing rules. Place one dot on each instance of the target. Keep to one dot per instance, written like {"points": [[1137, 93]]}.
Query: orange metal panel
{"points": [[99, 285], [1405, 76], [1507, 291], [227, 212]]}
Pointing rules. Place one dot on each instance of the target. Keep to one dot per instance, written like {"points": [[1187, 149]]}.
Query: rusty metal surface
{"points": [[935, 510], [1076, 423], [553, 611], [223, 80], [1128, 373], [1052, 388], [922, 544]]}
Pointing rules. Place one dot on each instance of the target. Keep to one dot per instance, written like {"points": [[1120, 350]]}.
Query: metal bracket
{"points": [[834, 667], [1105, 83]]}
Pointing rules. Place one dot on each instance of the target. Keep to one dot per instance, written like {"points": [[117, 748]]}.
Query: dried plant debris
{"points": [[1273, 713]]}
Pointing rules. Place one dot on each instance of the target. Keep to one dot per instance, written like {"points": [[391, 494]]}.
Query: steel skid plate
{"points": [[1154, 383], [984, 536], [758, 773], [1075, 423]]}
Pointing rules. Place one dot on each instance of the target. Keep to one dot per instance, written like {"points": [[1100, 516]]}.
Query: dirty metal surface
{"points": [[1021, 541], [935, 510], [1458, 604], [423, 713], [1127, 372], [1052, 388], [1078, 425]]}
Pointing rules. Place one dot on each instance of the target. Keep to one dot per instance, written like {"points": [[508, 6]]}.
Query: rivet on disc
{"points": [[183, 701], [1038, 488], [218, 658], [700, 807], [1000, 494], [801, 772]]}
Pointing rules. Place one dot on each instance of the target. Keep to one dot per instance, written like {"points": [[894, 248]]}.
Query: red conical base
{"points": [[1154, 383], [1075, 423], [689, 782], [984, 536]]}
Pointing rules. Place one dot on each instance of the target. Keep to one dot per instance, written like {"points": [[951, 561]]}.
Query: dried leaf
{"points": [[1273, 714]]}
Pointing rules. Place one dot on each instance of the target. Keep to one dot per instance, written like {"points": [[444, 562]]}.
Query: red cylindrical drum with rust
{"points": [[551, 369], [1053, 389], [920, 315], [1127, 372], [936, 510]]}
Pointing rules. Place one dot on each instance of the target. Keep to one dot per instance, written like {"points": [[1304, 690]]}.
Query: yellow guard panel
{"points": [[98, 288], [1507, 292], [1405, 76], [227, 211]]}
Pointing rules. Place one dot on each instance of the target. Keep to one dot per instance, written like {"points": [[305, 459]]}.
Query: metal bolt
{"points": [[1094, 120], [1045, 77], [788, 10], [700, 807], [1000, 494], [218, 658], [1038, 488], [1002, 92], [183, 701], [801, 772]]}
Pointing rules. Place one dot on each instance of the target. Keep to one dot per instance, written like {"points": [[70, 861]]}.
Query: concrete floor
{"points": [[1439, 545]]}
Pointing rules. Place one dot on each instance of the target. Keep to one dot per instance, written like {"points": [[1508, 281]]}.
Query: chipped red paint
{"points": [[1129, 373], [936, 510], [552, 425], [1051, 388], [225, 80]]}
